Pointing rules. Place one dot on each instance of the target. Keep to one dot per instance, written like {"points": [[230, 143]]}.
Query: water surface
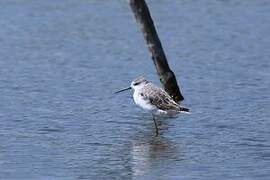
{"points": [[62, 60]]}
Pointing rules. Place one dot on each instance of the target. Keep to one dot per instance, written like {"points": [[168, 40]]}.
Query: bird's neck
{"points": [[138, 89]]}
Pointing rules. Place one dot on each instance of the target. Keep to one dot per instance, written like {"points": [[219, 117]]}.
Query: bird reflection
{"points": [[147, 155]]}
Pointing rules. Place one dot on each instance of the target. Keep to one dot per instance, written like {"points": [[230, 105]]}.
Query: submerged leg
{"points": [[156, 125]]}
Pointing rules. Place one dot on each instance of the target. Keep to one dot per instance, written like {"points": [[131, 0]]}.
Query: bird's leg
{"points": [[156, 125]]}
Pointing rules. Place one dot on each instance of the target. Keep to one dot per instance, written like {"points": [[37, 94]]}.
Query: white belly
{"points": [[143, 103], [146, 105]]}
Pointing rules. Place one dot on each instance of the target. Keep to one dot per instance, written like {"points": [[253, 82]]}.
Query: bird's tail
{"points": [[183, 110]]}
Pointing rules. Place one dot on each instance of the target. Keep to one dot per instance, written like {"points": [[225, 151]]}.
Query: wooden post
{"points": [[166, 75]]}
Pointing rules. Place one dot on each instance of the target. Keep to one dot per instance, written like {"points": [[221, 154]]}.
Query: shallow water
{"points": [[62, 60]]}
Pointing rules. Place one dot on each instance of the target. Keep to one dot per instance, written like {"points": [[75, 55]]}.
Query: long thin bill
{"points": [[122, 90]]}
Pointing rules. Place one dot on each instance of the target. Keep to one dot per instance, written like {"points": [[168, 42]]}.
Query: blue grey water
{"points": [[62, 60]]}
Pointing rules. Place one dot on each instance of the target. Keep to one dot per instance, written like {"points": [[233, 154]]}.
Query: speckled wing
{"points": [[159, 98]]}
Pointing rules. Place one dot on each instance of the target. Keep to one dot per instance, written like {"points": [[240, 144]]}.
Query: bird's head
{"points": [[135, 84], [138, 82]]}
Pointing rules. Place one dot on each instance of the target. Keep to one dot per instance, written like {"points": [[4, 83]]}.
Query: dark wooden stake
{"points": [[166, 75]]}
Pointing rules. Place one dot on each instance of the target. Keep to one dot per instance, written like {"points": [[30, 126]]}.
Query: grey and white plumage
{"points": [[153, 98]]}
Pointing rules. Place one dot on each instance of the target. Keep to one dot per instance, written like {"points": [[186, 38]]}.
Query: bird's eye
{"points": [[135, 84]]}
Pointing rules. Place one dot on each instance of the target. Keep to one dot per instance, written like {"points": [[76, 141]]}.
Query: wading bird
{"points": [[154, 99]]}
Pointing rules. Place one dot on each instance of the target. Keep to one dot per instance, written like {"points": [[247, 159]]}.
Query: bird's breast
{"points": [[142, 101]]}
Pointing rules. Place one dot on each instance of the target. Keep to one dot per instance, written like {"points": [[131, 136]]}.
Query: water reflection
{"points": [[149, 152]]}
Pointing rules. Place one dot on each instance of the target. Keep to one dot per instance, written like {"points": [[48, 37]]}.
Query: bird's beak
{"points": [[122, 90]]}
